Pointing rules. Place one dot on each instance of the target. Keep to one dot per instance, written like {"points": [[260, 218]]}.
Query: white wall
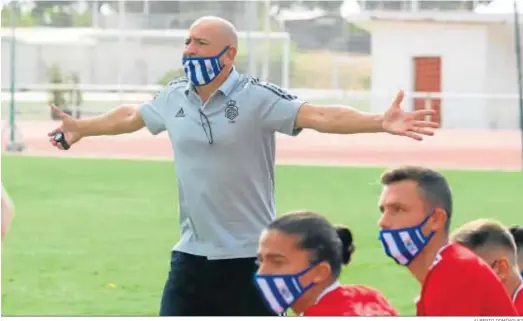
{"points": [[463, 52], [25, 66], [143, 63], [502, 77]]}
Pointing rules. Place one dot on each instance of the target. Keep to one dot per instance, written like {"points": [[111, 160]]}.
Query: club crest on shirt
{"points": [[231, 110]]}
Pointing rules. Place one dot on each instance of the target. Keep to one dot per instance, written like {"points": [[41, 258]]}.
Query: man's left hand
{"points": [[396, 121]]}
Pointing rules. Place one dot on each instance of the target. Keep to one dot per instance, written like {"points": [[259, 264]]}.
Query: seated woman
{"points": [[300, 258], [517, 233]]}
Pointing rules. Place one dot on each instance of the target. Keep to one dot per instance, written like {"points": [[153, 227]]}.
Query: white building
{"points": [[453, 53], [108, 56]]}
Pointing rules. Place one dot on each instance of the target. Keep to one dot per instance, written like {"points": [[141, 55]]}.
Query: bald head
{"points": [[223, 30], [211, 47]]}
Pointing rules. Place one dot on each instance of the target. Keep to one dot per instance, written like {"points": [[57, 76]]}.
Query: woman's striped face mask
{"points": [[280, 291], [202, 70]]}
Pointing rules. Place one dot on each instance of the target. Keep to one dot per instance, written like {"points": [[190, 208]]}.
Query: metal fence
{"points": [[112, 42], [136, 44], [458, 111], [125, 42]]}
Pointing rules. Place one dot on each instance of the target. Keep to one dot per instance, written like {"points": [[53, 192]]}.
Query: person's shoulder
{"points": [[456, 264], [342, 301], [172, 86], [267, 88], [518, 299], [455, 255], [469, 260], [352, 300], [177, 83], [359, 289], [364, 297], [368, 292]]}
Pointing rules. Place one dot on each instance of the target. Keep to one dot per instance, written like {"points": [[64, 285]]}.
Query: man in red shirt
{"points": [[416, 207], [494, 243], [517, 233], [300, 258]]}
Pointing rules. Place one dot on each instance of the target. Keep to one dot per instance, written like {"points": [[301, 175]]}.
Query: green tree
{"points": [[75, 96], [22, 19], [83, 19], [64, 98], [53, 9], [63, 13], [57, 96]]}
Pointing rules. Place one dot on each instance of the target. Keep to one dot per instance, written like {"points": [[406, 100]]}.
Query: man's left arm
{"points": [[338, 120], [346, 120], [288, 114]]}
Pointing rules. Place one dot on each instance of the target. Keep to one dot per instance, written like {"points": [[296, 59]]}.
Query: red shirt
{"points": [[459, 283], [351, 300], [518, 299]]}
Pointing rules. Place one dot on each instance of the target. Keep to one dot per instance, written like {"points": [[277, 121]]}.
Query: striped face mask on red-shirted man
{"points": [[403, 245]]}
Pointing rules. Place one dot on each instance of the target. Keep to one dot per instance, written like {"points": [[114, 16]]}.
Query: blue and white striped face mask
{"points": [[403, 245], [282, 290], [202, 70]]}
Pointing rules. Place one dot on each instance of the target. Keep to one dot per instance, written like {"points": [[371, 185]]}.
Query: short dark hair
{"points": [[483, 233], [324, 241], [433, 186], [517, 234]]}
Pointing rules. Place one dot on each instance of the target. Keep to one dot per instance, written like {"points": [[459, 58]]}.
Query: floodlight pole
{"points": [[14, 145]]}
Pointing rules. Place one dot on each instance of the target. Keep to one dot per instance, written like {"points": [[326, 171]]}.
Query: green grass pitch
{"points": [[92, 237]]}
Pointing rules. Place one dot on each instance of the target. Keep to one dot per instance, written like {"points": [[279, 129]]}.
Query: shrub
{"points": [[63, 98]]}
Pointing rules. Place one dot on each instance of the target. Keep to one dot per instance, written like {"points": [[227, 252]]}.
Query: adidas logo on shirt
{"points": [[180, 113]]}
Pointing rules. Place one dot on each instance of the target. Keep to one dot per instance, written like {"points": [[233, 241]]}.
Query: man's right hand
{"points": [[69, 127]]}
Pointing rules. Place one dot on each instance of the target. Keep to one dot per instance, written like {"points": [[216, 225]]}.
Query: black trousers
{"points": [[197, 286]]}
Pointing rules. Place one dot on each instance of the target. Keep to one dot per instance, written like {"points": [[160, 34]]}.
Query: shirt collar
{"points": [[326, 291], [519, 289], [437, 258], [229, 83], [225, 88]]}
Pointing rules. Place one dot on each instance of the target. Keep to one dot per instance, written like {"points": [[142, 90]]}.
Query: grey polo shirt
{"points": [[224, 153]]}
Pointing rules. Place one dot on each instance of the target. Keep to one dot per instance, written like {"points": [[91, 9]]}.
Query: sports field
{"points": [[92, 236]]}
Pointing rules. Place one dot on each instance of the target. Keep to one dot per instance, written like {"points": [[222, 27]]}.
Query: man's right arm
{"points": [[128, 118], [121, 120]]}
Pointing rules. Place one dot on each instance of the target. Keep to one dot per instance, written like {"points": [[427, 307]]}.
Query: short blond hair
{"points": [[483, 233]]}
